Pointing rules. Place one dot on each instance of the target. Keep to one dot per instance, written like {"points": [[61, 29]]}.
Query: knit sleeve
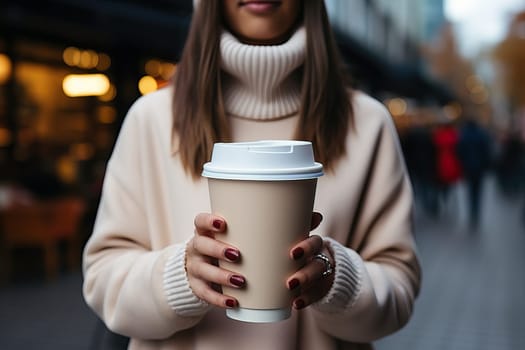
{"points": [[177, 288], [347, 282]]}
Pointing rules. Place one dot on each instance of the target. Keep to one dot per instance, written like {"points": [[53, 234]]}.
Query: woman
{"points": [[253, 70]]}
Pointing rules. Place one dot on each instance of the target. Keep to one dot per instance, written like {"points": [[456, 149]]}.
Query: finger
{"points": [[308, 276], [307, 298], [316, 220], [213, 274], [211, 247], [208, 224], [310, 283], [307, 247], [204, 292]]}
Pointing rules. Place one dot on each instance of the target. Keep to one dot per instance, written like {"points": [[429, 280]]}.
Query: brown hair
{"points": [[198, 111]]}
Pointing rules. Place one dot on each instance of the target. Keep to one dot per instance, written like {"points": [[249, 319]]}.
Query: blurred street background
{"points": [[451, 73]]}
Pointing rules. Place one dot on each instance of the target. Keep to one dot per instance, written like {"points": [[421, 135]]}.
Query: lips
{"points": [[247, 2], [260, 6]]}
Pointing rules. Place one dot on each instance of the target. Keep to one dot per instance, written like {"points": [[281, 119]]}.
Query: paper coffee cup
{"points": [[265, 190]]}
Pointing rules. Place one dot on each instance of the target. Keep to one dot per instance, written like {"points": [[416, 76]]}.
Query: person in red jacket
{"points": [[448, 165]]}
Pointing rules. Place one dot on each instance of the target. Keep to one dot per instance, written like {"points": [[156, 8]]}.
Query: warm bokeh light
{"points": [[104, 62], [159, 69], [453, 111], [106, 114], [5, 137], [86, 59], [67, 169], [167, 70], [473, 83], [5, 68], [147, 84], [82, 151], [71, 56], [109, 95], [397, 107], [76, 85], [153, 67]]}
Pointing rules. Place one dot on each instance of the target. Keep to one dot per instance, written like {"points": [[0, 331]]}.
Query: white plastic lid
{"points": [[271, 160]]}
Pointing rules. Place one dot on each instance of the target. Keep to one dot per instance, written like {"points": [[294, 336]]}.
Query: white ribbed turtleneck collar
{"points": [[261, 83]]}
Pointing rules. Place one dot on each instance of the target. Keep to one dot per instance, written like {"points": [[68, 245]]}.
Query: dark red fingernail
{"points": [[298, 253], [237, 280], [299, 304], [231, 303], [217, 224], [293, 284], [231, 254]]}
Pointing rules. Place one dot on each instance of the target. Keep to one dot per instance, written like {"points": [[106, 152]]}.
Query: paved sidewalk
{"points": [[473, 286], [46, 316]]}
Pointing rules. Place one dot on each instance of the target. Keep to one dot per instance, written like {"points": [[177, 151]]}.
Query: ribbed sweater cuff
{"points": [[177, 288], [347, 280]]}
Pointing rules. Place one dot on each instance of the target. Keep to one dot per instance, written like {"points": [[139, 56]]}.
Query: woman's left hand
{"points": [[311, 281]]}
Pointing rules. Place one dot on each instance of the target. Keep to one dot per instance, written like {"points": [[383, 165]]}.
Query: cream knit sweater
{"points": [[134, 261]]}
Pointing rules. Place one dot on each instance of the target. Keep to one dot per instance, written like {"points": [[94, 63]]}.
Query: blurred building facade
{"points": [[434, 18], [385, 40], [383, 26], [509, 56]]}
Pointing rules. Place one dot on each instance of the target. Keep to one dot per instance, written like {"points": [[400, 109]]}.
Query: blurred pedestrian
{"points": [[448, 166], [510, 165], [420, 155], [474, 150]]}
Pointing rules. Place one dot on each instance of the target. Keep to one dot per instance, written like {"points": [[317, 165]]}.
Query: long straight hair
{"points": [[199, 116]]}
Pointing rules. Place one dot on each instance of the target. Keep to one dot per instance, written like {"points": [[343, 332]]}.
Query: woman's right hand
{"points": [[202, 255]]}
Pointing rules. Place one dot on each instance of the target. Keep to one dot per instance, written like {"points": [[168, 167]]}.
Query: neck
{"points": [[262, 81]]}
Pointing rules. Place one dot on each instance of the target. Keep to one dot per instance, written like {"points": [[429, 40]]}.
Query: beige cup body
{"points": [[265, 219]]}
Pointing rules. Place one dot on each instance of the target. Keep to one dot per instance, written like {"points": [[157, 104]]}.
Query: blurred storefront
{"points": [[69, 70]]}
